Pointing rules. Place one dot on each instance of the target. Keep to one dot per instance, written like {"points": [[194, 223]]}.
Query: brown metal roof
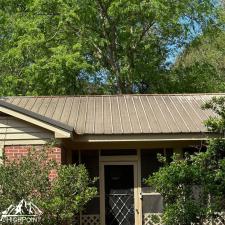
{"points": [[122, 114]]}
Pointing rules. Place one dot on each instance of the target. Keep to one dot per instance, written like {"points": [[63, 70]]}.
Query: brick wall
{"points": [[55, 154], [16, 152]]}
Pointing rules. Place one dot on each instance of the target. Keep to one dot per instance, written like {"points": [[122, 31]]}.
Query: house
{"points": [[116, 137]]}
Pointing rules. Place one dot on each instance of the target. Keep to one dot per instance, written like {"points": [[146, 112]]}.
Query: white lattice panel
{"points": [[148, 219], [156, 219], [219, 219], [90, 220], [152, 219], [76, 220]]}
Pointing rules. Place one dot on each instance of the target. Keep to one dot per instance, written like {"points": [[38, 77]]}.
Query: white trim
{"points": [[151, 194], [92, 138], [59, 133], [121, 158], [139, 187], [26, 142]]}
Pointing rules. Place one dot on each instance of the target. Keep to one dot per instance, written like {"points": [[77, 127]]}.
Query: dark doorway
{"points": [[119, 195]]}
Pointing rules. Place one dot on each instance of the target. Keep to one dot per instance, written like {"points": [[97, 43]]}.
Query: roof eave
{"points": [[145, 137], [61, 130]]}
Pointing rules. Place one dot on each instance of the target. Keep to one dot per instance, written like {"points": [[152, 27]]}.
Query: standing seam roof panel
{"points": [[30, 103], [120, 114], [66, 110], [81, 122], [195, 115], [182, 126], [153, 122], [120, 119], [184, 114], [52, 108], [143, 120], [73, 117], [173, 123], [146, 116], [133, 115], [125, 120], [46, 102], [107, 116], [198, 109], [16, 101], [116, 120], [158, 115], [170, 120], [89, 123], [60, 106], [23, 102], [98, 119], [37, 105]]}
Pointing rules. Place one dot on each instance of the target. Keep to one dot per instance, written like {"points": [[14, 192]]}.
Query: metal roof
{"points": [[118, 114]]}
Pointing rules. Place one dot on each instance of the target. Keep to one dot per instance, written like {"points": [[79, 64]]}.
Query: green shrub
{"points": [[59, 199]]}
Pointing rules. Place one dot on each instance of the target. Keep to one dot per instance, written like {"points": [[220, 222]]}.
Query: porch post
{"points": [[139, 186]]}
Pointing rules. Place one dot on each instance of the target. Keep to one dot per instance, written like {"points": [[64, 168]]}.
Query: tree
{"points": [[200, 66], [199, 77], [100, 46], [59, 199], [194, 188]]}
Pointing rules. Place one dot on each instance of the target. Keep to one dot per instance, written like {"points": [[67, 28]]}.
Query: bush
{"points": [[193, 188], [28, 179]]}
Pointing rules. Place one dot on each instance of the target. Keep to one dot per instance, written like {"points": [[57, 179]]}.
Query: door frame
{"points": [[122, 160]]}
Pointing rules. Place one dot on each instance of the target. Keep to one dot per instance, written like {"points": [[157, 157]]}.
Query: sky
{"points": [[174, 50]]}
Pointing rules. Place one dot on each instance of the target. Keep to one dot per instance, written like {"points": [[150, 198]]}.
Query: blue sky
{"points": [[194, 31]]}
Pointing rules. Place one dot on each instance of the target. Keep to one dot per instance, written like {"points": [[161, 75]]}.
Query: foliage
{"points": [[92, 46], [200, 67], [28, 178], [196, 78], [216, 124], [194, 188], [69, 194]]}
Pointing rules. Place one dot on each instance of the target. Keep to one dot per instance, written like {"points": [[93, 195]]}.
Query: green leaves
{"points": [[69, 193], [127, 39], [187, 184], [38, 52], [59, 199], [20, 181], [200, 68], [216, 124]]}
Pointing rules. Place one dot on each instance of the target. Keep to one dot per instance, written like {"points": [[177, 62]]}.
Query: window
{"points": [[152, 202], [90, 158]]}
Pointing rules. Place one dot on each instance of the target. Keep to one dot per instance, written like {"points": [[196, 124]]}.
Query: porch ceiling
{"points": [[118, 114]]}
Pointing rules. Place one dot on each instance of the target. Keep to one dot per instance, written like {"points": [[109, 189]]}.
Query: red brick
{"points": [[15, 152]]}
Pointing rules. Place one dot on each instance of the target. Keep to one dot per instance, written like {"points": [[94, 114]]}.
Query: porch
{"points": [[124, 198]]}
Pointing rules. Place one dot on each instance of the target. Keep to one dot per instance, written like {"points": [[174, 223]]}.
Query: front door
{"points": [[119, 194]]}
